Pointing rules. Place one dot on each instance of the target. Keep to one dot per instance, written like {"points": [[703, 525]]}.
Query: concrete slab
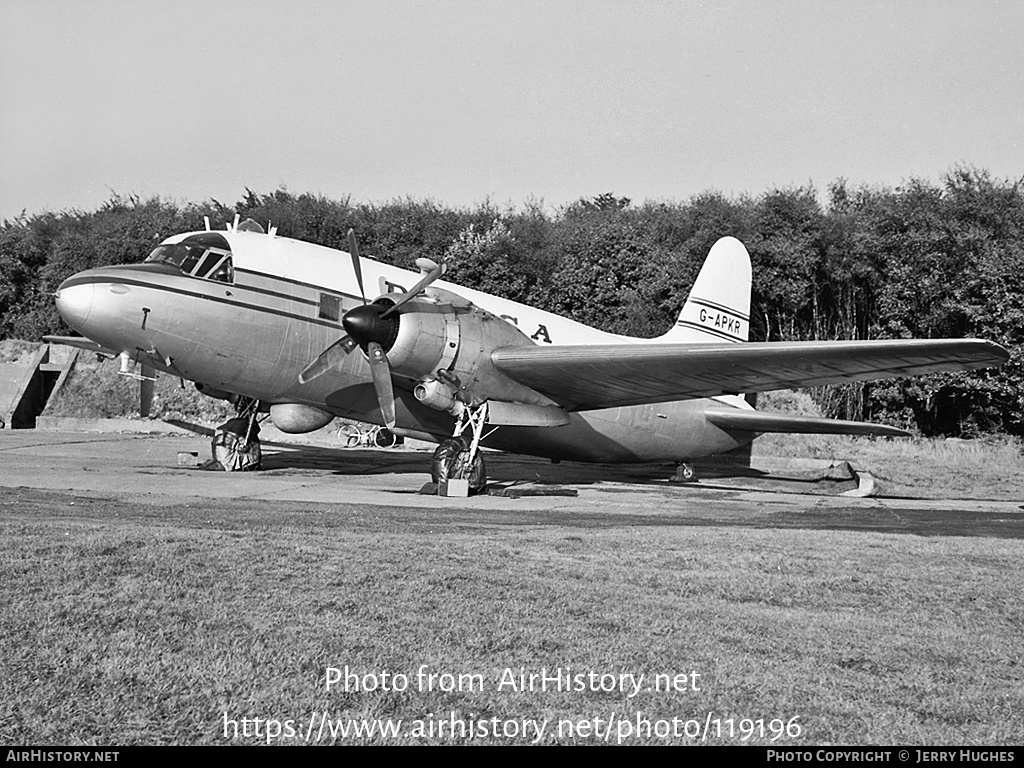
{"points": [[145, 468]]}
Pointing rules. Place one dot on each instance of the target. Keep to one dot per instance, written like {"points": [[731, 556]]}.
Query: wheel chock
{"points": [[453, 487]]}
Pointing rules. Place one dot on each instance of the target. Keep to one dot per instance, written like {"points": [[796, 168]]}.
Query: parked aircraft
{"points": [[285, 327]]}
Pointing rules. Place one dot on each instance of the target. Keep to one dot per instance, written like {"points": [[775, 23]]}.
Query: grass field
{"points": [[131, 624]]}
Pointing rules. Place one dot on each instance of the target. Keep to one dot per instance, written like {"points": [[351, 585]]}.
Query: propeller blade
{"points": [[380, 369], [328, 359], [353, 249], [433, 271]]}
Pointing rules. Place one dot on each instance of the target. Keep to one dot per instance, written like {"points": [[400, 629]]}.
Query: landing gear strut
{"points": [[458, 457], [236, 443]]}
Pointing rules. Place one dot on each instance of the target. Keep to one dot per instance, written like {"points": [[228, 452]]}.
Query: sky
{"points": [[511, 101]]}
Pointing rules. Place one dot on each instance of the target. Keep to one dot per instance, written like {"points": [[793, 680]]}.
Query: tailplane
{"points": [[718, 307]]}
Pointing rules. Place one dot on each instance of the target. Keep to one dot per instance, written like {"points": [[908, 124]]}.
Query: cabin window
{"points": [[330, 307], [207, 256]]}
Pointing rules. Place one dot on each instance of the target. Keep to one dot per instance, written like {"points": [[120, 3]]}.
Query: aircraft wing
{"points": [[582, 378]]}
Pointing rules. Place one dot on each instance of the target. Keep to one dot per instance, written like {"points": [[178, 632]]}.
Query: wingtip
{"points": [[1002, 352], [991, 352]]}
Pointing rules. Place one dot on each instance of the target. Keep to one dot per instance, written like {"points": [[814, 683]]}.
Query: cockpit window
{"points": [[206, 255]]}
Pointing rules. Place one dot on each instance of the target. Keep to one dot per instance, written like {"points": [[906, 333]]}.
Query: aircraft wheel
{"points": [[385, 438], [230, 449], [451, 462], [684, 473], [349, 435]]}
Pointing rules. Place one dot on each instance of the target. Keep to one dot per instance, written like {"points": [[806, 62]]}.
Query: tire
{"points": [[349, 435], [234, 454], [450, 463], [384, 438]]}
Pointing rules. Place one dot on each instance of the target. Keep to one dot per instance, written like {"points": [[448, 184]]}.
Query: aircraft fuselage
{"points": [[253, 329]]}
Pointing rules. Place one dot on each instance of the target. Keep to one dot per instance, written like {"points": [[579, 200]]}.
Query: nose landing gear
{"points": [[236, 443]]}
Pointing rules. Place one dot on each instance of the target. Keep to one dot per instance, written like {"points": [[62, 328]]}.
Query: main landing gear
{"points": [[458, 457]]}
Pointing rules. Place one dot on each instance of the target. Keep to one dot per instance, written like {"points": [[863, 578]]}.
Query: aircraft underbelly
{"points": [[662, 432]]}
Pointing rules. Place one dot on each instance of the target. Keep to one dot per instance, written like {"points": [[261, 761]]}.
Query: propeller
{"points": [[374, 328], [431, 271], [328, 359], [353, 251], [380, 369]]}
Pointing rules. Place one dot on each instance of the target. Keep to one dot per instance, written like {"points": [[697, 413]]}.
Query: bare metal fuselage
{"points": [[254, 335]]}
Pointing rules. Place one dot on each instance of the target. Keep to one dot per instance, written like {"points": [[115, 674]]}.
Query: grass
{"points": [[95, 390], [917, 467], [127, 624]]}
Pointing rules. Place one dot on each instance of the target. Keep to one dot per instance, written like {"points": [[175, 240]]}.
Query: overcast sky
{"points": [[514, 100]]}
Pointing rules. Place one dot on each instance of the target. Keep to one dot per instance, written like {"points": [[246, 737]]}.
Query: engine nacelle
{"points": [[428, 338], [296, 419], [444, 343]]}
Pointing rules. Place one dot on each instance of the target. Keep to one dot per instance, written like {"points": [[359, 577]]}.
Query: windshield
{"points": [[207, 256]]}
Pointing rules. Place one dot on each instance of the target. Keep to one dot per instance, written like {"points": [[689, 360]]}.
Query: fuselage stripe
{"points": [[719, 307], [709, 331], [107, 279]]}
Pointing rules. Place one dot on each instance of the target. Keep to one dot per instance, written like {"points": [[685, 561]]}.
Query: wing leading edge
{"points": [[584, 378]]}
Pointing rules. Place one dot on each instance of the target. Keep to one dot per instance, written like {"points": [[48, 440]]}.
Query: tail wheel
{"points": [[385, 438], [451, 462], [349, 435], [684, 473]]}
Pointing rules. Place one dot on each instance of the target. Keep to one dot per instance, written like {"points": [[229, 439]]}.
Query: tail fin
{"points": [[718, 307]]}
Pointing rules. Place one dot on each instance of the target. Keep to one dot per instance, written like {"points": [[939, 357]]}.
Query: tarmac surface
{"points": [[158, 469]]}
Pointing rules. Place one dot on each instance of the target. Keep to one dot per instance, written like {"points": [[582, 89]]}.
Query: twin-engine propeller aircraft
{"points": [[284, 326]]}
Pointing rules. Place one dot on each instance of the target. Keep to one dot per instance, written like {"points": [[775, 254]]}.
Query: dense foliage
{"points": [[922, 260]]}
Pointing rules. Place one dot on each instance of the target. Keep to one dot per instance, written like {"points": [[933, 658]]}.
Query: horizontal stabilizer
{"points": [[756, 421]]}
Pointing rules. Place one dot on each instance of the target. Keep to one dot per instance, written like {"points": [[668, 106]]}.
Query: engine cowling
{"points": [[443, 343]]}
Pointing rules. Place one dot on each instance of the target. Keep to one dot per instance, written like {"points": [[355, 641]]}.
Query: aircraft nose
{"points": [[74, 302]]}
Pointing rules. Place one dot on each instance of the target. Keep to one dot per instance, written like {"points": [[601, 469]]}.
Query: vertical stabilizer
{"points": [[718, 307]]}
